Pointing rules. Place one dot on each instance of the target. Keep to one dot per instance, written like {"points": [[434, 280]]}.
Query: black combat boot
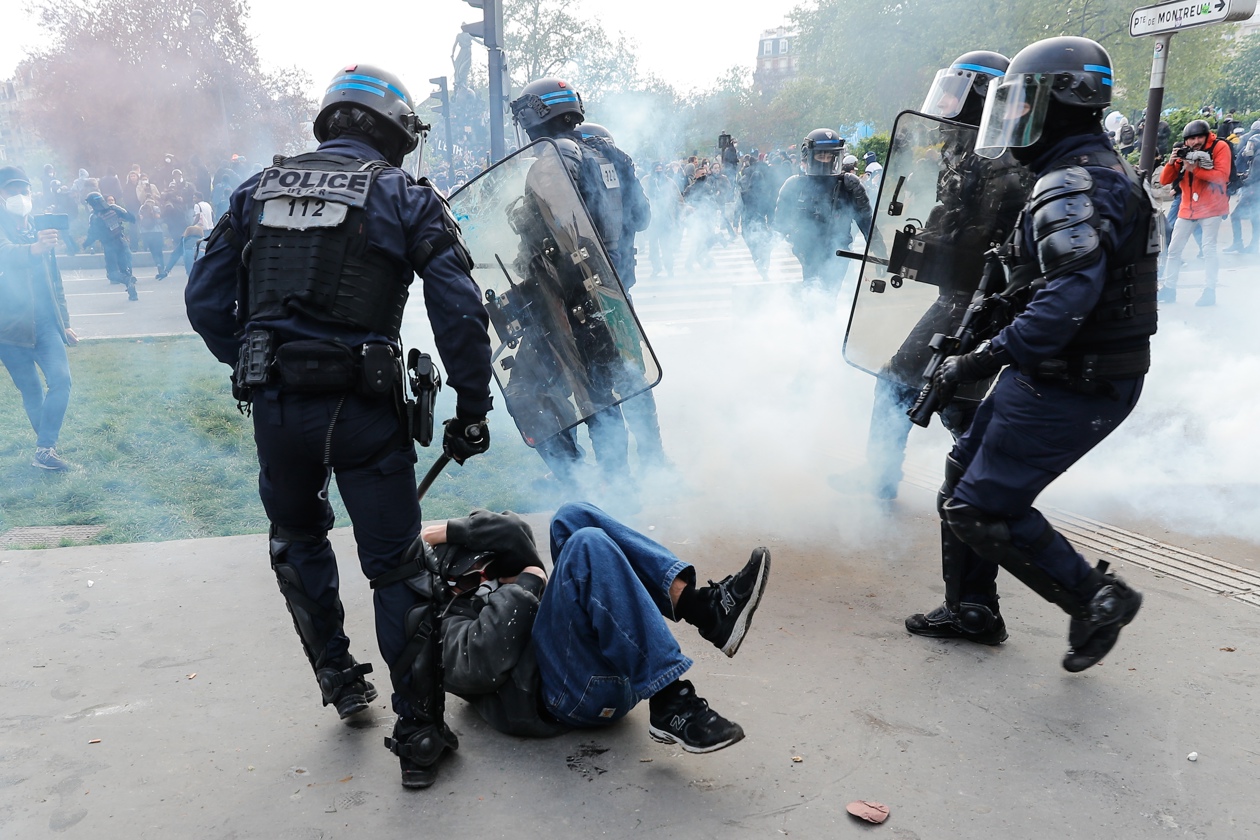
{"points": [[1112, 605], [342, 685], [419, 745], [964, 620]]}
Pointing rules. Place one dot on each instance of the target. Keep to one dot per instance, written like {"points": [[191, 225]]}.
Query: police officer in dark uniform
{"points": [[312, 266], [1074, 358], [978, 200], [605, 177], [817, 211]]}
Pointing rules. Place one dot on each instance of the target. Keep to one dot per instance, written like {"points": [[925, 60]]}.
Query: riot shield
{"points": [[567, 343], [941, 207]]}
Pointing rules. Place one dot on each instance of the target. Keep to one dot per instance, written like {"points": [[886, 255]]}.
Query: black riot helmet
{"points": [[822, 151], [375, 102], [1072, 75], [589, 130], [1196, 128], [546, 107], [958, 91], [96, 201]]}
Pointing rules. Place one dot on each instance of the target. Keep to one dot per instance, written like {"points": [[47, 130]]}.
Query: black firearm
{"points": [[978, 322]]}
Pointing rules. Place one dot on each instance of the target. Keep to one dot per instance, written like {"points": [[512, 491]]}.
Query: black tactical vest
{"points": [[309, 252], [1125, 316]]}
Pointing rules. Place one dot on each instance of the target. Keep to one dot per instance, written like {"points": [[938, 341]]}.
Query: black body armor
{"points": [[309, 252]]}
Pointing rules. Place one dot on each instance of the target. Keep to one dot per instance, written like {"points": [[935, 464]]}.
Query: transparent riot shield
{"points": [[567, 343], [941, 207]]}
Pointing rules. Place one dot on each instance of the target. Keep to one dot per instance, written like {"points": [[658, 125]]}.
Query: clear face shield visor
{"points": [[1014, 113], [949, 92], [823, 161]]}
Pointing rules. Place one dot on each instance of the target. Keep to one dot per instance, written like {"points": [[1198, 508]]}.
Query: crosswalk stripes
{"points": [[702, 295]]}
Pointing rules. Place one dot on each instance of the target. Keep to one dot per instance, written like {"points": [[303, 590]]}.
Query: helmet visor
{"points": [[1014, 113], [824, 161], [949, 92]]}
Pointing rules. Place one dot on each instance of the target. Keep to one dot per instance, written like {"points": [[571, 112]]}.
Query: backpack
{"points": [[1236, 178]]}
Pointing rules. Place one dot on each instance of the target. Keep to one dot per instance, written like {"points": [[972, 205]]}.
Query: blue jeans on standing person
{"points": [[600, 636], [46, 411]]}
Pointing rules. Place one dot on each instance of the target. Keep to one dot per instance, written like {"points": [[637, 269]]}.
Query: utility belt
{"points": [[331, 367], [1090, 373], [314, 367]]}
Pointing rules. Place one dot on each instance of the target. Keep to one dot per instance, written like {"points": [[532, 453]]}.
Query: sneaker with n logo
{"points": [[726, 607], [679, 716]]}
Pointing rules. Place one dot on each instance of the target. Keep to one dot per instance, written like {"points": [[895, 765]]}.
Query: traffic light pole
{"points": [[490, 32], [444, 95]]}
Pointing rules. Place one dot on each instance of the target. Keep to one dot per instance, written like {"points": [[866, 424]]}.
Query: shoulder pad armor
{"points": [[1059, 182], [1067, 248]]}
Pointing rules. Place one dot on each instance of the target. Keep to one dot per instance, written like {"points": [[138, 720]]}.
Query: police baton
{"points": [[431, 475], [473, 433]]}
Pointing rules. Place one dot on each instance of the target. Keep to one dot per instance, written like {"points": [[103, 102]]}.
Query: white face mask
{"points": [[18, 205]]}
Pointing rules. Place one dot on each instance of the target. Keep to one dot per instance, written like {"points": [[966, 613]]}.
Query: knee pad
{"points": [[990, 537]]}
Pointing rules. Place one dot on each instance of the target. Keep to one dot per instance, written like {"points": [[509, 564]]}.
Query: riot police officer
{"points": [[605, 177], [1072, 361], [978, 200], [326, 246], [817, 211]]}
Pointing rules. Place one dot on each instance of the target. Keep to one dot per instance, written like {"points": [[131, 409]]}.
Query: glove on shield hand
{"points": [[465, 437]]}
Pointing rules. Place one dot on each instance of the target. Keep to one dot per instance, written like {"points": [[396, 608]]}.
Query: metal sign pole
{"points": [[1154, 102]]}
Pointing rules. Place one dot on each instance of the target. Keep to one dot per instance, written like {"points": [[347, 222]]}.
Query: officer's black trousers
{"points": [[374, 464]]}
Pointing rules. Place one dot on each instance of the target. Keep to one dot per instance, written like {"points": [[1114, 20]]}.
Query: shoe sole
{"points": [[355, 703], [663, 737], [933, 633], [745, 618], [48, 468]]}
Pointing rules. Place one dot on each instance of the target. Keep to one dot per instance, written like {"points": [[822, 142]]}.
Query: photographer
{"points": [[1202, 166], [536, 655], [105, 225], [34, 321]]}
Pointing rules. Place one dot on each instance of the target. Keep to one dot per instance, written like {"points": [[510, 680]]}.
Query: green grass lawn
{"points": [[161, 452]]}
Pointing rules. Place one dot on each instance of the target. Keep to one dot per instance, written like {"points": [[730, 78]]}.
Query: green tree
{"points": [[121, 81], [1240, 81], [880, 57], [543, 38]]}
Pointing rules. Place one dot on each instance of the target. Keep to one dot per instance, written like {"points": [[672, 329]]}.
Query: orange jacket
{"points": [[1202, 190]]}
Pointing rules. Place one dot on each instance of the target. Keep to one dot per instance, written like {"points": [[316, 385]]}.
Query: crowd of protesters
{"points": [[171, 204]]}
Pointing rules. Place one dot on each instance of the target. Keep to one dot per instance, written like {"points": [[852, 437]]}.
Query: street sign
{"points": [[1186, 14]]}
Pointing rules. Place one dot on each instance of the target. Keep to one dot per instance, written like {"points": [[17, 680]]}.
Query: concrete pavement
{"points": [[157, 691]]}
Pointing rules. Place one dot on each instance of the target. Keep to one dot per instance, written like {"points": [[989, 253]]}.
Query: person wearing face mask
{"points": [[1072, 361], [34, 321]]}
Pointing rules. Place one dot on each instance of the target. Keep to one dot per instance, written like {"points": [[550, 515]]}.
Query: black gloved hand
{"points": [[465, 437], [979, 364]]}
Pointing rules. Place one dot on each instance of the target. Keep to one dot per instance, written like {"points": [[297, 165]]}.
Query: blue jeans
{"points": [[600, 636], [46, 411]]}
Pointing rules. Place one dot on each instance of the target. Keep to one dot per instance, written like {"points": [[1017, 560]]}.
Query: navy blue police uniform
{"points": [[1077, 356], [323, 412]]}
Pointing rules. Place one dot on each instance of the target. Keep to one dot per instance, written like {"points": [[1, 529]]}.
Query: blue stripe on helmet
{"points": [[978, 68], [1098, 68], [356, 86], [1107, 82], [361, 78], [559, 96]]}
